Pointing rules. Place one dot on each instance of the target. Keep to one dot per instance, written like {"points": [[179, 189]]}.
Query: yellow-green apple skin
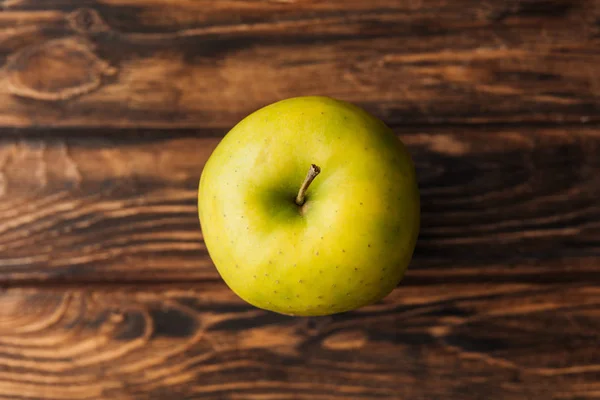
{"points": [[352, 240]]}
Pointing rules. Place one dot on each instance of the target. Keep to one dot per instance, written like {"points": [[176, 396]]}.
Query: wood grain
{"points": [[498, 204], [451, 341], [110, 108], [179, 63]]}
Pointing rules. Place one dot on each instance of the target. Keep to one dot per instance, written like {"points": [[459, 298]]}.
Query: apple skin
{"points": [[352, 240]]}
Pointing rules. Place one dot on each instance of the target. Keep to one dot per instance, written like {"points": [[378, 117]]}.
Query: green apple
{"points": [[310, 206]]}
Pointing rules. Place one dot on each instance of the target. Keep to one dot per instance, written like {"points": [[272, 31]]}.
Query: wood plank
{"points": [[498, 204], [204, 63], [447, 341]]}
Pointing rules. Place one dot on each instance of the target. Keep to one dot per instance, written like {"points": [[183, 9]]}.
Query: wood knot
{"points": [[56, 70], [87, 20]]}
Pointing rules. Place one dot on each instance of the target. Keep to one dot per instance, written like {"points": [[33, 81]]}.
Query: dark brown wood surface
{"points": [[110, 108], [208, 63], [449, 341], [502, 204]]}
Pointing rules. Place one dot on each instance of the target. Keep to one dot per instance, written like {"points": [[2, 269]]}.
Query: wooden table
{"points": [[110, 108]]}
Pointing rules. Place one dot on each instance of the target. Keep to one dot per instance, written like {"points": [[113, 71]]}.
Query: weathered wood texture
{"points": [[452, 341], [206, 63], [501, 204], [110, 108]]}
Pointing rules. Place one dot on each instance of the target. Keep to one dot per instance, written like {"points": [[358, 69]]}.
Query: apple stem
{"points": [[312, 174]]}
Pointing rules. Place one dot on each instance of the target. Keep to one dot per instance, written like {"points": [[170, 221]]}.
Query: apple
{"points": [[310, 206]]}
